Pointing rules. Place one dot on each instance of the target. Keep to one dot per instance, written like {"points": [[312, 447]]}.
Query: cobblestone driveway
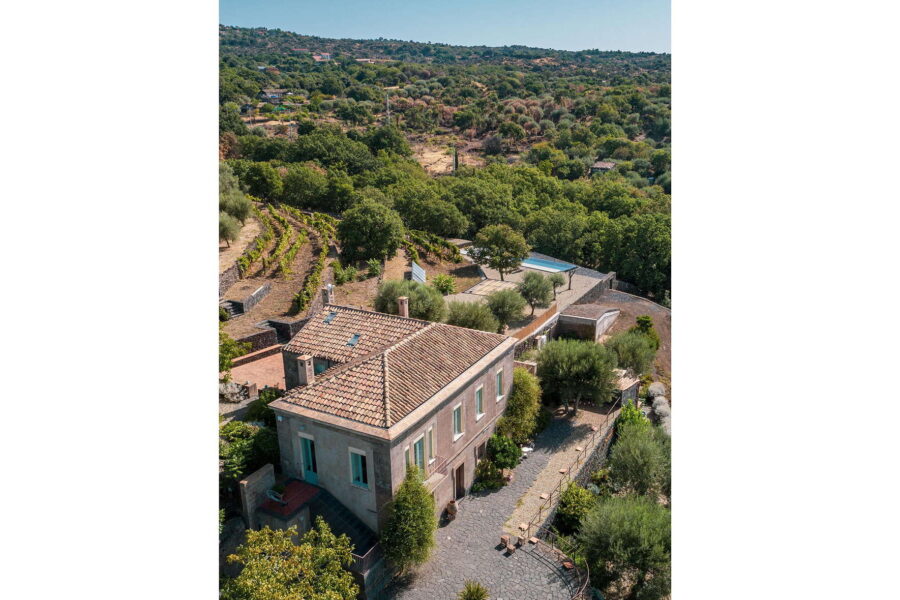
{"points": [[466, 548]]}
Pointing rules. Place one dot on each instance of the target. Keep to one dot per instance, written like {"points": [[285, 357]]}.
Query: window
{"points": [[457, 422], [499, 384], [406, 454], [430, 445], [419, 453], [359, 476], [479, 402]]}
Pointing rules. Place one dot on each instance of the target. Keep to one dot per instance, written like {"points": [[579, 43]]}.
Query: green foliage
{"points": [[223, 315], [221, 520], [504, 452], [325, 227], [520, 420], [506, 306], [305, 187], [229, 228], [244, 448], [645, 326], [472, 590], [556, 280], [572, 370], [574, 504], [232, 200], [473, 315], [631, 415], [425, 302], [445, 284], [488, 476], [388, 138], [262, 180], [374, 268], [259, 410], [274, 568], [343, 275], [370, 230], [536, 289], [499, 247], [229, 349], [627, 540], [640, 460], [634, 351], [408, 536]]}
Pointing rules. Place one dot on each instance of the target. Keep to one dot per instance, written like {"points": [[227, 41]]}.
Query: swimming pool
{"points": [[553, 266]]}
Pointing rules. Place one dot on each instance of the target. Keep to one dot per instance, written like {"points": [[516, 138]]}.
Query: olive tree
{"points": [[536, 289], [506, 305], [425, 302], [573, 370], [473, 315], [370, 230], [499, 247]]}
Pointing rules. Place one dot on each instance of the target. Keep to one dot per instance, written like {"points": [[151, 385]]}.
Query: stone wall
{"points": [[263, 339], [628, 288], [228, 278], [528, 365], [253, 492], [254, 298], [595, 293]]}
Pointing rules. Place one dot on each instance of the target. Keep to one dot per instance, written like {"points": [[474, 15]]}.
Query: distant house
{"points": [[368, 61], [273, 95], [323, 57], [626, 387], [371, 393], [261, 67], [602, 166], [273, 70]]}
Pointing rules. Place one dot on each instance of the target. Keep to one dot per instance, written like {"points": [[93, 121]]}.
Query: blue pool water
{"points": [[546, 265]]}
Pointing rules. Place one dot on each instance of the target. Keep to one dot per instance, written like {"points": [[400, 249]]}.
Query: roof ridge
{"points": [[385, 394], [374, 312], [469, 329], [411, 336]]}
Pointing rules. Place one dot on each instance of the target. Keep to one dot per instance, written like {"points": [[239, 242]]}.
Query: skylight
{"points": [[330, 316], [354, 340]]}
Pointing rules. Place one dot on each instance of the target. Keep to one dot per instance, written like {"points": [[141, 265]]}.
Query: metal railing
{"points": [[550, 540]]}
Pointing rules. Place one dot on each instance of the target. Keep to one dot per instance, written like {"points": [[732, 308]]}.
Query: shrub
{"points": [[223, 315], [628, 540], [445, 284], [536, 289], [344, 275], [245, 448], [374, 267], [425, 302], [601, 480], [556, 280], [520, 419], [503, 451], [632, 415], [645, 327], [639, 461], [634, 351], [506, 305], [473, 315], [473, 591], [574, 504], [408, 537], [488, 476], [572, 370], [259, 410]]}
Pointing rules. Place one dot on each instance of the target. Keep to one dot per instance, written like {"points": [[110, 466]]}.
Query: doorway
{"points": [[310, 470], [460, 479]]}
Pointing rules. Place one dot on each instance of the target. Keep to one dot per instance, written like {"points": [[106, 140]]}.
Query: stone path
{"points": [[467, 547], [565, 454]]}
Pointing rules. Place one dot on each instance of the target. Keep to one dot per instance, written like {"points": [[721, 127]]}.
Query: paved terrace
{"points": [[467, 547]]}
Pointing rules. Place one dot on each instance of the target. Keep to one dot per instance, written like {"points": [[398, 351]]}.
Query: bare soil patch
{"points": [[632, 307], [436, 157], [229, 254]]}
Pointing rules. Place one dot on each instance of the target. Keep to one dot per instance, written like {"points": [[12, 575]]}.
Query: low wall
{"points": [[254, 298], [253, 490], [596, 292], [538, 323], [260, 340], [287, 329], [254, 356], [628, 288], [228, 278], [528, 365]]}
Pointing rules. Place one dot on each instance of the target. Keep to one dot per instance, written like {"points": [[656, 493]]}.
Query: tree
{"points": [[408, 536], [492, 145], [229, 228], [275, 568], [506, 305], [556, 280], [305, 188], [511, 130], [634, 351], [388, 138], [639, 461], [645, 326], [370, 230], [574, 504], [572, 370], [504, 452], [500, 247], [536, 289], [473, 315], [472, 590], [263, 180], [628, 540], [425, 302], [229, 349], [519, 420], [232, 199]]}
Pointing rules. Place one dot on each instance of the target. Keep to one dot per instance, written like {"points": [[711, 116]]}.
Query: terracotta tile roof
{"points": [[382, 386], [328, 337]]}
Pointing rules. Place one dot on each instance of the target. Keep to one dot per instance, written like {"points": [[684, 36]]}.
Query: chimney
{"points": [[403, 306], [328, 294], [305, 369]]}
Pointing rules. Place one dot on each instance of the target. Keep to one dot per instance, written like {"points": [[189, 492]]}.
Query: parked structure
{"points": [[602, 166], [586, 321], [370, 393]]}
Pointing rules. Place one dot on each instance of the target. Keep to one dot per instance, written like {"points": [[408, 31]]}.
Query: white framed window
{"points": [[499, 384], [407, 456], [359, 473], [430, 436], [479, 402], [418, 451], [457, 422]]}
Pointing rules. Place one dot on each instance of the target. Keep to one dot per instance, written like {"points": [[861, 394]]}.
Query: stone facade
{"points": [[228, 278]]}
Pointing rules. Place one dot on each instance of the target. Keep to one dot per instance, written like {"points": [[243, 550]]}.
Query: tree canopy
{"points": [[425, 302], [499, 247], [536, 289], [473, 315], [506, 306], [408, 536], [370, 230], [575, 370]]}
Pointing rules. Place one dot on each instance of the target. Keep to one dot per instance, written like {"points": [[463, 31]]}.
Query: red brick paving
{"points": [[268, 371]]}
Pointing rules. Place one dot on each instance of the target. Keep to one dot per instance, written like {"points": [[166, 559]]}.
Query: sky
{"points": [[632, 25]]}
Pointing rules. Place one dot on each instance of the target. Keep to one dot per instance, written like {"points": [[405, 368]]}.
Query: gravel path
{"points": [[565, 454], [467, 547]]}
